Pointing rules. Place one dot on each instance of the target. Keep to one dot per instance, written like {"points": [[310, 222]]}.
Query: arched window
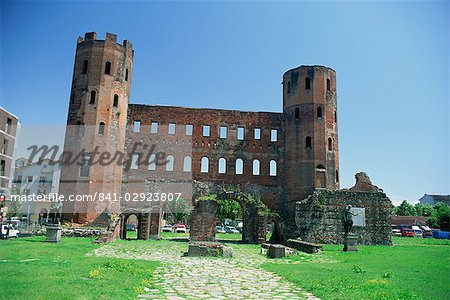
{"points": [[320, 167], [101, 128], [307, 83], [256, 167], [239, 166], [187, 164], [308, 143], [273, 168], [126, 75], [335, 116], [85, 67], [222, 165], [92, 100], [108, 68], [289, 87], [205, 165], [116, 100], [328, 84], [337, 176], [170, 163], [297, 113], [319, 112], [330, 144], [152, 162]]}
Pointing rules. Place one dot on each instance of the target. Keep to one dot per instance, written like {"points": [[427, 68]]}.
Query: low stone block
{"points": [[276, 251], [304, 246]]}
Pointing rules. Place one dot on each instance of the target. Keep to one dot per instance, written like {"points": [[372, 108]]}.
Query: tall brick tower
{"points": [[96, 123], [311, 132]]}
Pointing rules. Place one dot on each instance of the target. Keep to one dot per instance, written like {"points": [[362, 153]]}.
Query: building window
{"points": [[137, 126], [84, 169], [204, 165], [19, 179], [134, 162], [5, 147], [108, 68], [273, 135], [92, 100], [273, 168], [223, 132], [30, 178], [189, 129], [152, 162], [222, 165], [297, 113], [320, 167], [289, 87], [307, 83], [2, 167], [85, 67], [239, 166], [170, 163], [101, 128], [240, 133], [335, 116], [330, 144], [328, 84], [187, 164], [337, 176], [126, 75], [319, 112], [171, 128], [256, 167], [308, 144], [116, 100], [257, 133], [8, 125], [154, 127], [206, 130]]}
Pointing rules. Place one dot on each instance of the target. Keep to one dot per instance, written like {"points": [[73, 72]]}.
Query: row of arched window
{"points": [[308, 143], [319, 113], [108, 67], [94, 96], [308, 84], [204, 165]]}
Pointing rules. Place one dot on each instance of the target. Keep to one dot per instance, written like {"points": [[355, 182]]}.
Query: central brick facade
{"points": [[280, 157]]}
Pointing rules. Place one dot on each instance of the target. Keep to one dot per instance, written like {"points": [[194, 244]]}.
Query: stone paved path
{"points": [[208, 278]]}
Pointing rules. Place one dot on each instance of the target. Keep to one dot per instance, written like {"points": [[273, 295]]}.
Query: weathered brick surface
{"points": [[319, 218]]}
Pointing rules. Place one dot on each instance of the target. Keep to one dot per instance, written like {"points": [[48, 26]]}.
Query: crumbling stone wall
{"points": [[203, 221], [319, 217]]}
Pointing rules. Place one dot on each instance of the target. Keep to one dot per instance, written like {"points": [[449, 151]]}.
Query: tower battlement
{"points": [[110, 38]]}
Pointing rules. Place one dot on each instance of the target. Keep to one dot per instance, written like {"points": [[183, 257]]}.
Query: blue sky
{"points": [[391, 59]]}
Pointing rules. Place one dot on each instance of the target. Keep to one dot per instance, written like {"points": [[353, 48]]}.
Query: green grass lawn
{"points": [[32, 269], [411, 269]]}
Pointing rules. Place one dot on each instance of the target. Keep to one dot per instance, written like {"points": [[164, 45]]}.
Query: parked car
{"points": [[131, 227], [179, 228], [408, 232], [231, 229], [220, 229], [166, 228], [396, 232], [427, 232], [13, 232], [417, 231]]}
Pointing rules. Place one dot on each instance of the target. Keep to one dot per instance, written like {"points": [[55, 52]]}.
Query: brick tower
{"points": [[96, 123], [311, 132]]}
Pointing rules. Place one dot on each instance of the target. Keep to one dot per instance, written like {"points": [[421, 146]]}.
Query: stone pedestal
{"points": [[276, 251], [350, 242], [53, 233]]}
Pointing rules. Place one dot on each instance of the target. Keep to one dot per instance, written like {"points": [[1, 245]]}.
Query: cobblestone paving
{"points": [[207, 278]]}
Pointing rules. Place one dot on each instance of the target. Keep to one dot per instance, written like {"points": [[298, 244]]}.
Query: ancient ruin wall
{"points": [[319, 217]]}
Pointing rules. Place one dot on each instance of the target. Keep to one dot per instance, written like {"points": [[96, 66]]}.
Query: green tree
{"points": [[443, 215], [177, 211], [228, 209], [419, 209], [427, 210], [406, 209]]}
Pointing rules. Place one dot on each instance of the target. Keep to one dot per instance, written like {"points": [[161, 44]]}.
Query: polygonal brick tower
{"points": [[96, 123], [311, 132]]}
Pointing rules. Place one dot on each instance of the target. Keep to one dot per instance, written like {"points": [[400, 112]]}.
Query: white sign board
{"points": [[359, 216]]}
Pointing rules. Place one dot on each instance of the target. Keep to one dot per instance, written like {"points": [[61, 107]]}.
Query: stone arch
{"points": [[203, 218]]}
